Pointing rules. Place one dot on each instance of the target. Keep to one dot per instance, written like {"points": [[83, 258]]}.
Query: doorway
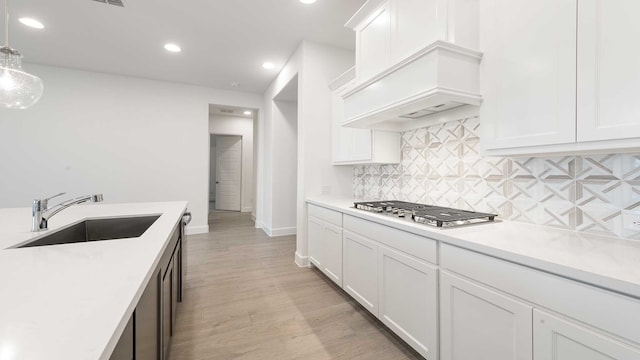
{"points": [[232, 154]]}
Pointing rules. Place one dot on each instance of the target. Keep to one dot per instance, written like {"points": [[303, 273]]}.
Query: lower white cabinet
{"points": [[383, 272], [560, 339], [360, 270], [324, 235], [408, 299], [481, 324]]}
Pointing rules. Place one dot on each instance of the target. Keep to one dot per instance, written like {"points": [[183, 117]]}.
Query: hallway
{"points": [[246, 299]]}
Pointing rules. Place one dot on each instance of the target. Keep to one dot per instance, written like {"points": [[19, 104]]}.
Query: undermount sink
{"points": [[96, 230]]}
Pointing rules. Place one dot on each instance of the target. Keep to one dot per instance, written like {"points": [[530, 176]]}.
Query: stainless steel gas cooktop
{"points": [[425, 214]]}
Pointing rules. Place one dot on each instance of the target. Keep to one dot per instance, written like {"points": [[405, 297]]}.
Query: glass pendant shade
{"points": [[18, 89]]}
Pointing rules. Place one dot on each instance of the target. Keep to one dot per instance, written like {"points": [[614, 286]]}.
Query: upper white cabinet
{"points": [[559, 76], [608, 69], [373, 39], [392, 30], [528, 72], [358, 146], [413, 58]]}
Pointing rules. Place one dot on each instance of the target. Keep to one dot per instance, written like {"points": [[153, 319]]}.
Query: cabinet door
{"points": [[608, 76], [332, 252], [478, 323], [124, 347], [408, 294], [373, 42], [340, 134], [360, 270], [166, 309], [175, 286], [528, 72], [360, 144], [559, 339], [314, 235], [147, 321], [417, 23]]}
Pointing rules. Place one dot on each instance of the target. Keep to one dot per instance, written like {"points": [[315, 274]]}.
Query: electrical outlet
{"points": [[631, 220]]}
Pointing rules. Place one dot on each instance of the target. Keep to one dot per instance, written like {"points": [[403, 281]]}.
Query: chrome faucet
{"points": [[41, 213]]}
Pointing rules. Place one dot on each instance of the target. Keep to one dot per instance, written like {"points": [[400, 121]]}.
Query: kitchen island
{"points": [[73, 301]]}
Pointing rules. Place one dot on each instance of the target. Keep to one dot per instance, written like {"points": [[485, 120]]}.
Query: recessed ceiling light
{"points": [[307, 1], [248, 112], [268, 65], [31, 23], [172, 47]]}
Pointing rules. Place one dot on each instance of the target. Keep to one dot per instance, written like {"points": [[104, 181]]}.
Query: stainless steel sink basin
{"points": [[96, 230]]}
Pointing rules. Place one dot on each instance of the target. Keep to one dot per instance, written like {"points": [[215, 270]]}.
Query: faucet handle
{"points": [[45, 201], [54, 196]]}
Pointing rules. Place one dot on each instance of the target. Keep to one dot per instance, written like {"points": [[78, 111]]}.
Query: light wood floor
{"points": [[246, 299]]}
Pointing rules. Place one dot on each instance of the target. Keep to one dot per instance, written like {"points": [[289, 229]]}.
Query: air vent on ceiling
{"points": [[112, 2], [226, 111]]}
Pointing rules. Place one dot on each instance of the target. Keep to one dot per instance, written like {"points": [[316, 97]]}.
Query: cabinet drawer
{"points": [[418, 246], [615, 313], [330, 216]]}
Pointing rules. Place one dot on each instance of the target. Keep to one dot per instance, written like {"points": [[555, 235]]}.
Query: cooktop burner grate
{"points": [[426, 214]]}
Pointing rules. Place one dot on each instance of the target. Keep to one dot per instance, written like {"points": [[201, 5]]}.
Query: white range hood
{"points": [[442, 76]]}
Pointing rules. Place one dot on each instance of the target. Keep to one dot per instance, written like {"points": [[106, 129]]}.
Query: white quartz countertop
{"points": [[72, 301], [607, 262]]}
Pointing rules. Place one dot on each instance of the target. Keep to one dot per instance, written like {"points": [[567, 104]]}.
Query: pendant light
{"points": [[18, 89]]}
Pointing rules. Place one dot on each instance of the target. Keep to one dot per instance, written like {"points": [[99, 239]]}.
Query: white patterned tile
{"points": [[441, 165]]}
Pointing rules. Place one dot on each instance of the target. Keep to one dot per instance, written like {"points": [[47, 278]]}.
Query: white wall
{"points": [[242, 126], [316, 66], [129, 138], [285, 165], [268, 140]]}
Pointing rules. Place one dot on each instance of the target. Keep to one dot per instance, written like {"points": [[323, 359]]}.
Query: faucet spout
{"points": [[41, 213]]}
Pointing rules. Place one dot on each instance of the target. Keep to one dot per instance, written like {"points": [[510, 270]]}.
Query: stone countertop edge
{"points": [[606, 262], [55, 312]]}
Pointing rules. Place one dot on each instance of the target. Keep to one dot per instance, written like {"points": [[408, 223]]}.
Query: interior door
{"points": [[228, 172]]}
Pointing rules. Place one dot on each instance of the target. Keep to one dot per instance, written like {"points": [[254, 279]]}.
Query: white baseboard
{"points": [[284, 231], [247, 209], [258, 224], [302, 261], [193, 230]]}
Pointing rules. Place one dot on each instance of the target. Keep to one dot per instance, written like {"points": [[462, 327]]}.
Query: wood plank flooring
{"points": [[245, 298]]}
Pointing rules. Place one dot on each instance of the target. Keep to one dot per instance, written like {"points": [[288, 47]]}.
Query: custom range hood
{"points": [[440, 77]]}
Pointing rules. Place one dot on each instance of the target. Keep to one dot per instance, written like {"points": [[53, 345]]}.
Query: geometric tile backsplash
{"points": [[441, 165]]}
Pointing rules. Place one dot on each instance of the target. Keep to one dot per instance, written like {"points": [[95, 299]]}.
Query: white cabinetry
{"points": [[528, 72], [559, 76], [373, 43], [608, 76], [560, 339], [392, 30], [408, 301], [400, 289], [360, 270], [358, 146], [325, 241], [478, 323]]}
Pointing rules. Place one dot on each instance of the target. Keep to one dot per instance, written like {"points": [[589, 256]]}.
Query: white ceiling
{"points": [[223, 41]]}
